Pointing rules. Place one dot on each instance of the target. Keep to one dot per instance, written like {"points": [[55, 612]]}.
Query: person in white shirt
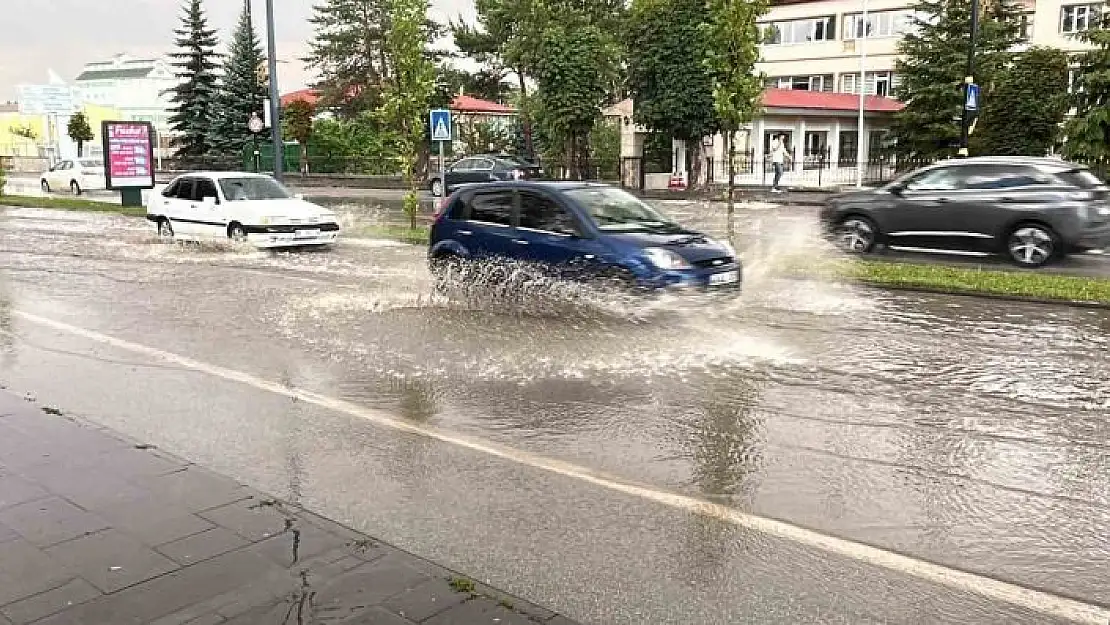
{"points": [[778, 160]]}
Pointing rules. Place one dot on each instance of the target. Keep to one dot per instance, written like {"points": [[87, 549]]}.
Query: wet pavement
{"points": [[619, 462]]}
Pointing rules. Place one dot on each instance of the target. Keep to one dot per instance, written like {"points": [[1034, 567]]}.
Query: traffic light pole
{"points": [[275, 100], [965, 122]]}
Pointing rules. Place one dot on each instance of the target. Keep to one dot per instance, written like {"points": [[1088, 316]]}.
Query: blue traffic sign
{"points": [[971, 99], [439, 122]]}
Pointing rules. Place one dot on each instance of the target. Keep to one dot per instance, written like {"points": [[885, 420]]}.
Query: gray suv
{"points": [[1032, 210]]}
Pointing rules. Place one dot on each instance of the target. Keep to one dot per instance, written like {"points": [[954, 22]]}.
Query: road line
{"points": [[1040, 601]]}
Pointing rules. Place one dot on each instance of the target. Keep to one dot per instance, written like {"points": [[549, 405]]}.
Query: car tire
{"points": [[45, 186], [436, 187], [165, 230], [1032, 245], [237, 233], [444, 269], [856, 234], [74, 187]]}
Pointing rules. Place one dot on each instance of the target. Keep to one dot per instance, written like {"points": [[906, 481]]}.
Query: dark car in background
{"points": [[483, 168], [1030, 210], [582, 231]]}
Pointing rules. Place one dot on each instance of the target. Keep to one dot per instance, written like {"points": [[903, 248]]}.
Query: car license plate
{"points": [[725, 277], [306, 234]]}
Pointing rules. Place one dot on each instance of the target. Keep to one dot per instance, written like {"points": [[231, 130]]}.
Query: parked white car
{"points": [[77, 175], [240, 206]]}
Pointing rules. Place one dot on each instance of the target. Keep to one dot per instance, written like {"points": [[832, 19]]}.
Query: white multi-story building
{"points": [[137, 87]]}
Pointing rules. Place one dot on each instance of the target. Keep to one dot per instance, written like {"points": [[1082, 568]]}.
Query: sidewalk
{"points": [[99, 530]]}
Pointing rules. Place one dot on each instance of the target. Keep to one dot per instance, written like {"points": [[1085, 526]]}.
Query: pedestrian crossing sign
{"points": [[971, 102], [440, 125]]}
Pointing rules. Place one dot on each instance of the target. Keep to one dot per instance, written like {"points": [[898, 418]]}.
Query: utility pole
{"points": [[275, 98], [862, 84], [969, 80]]}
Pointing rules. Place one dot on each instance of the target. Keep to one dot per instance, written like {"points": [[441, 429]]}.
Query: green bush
{"points": [[3, 176]]}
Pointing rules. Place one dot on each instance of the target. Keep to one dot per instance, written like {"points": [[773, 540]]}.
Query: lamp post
{"points": [[275, 99], [862, 84], [965, 120]]}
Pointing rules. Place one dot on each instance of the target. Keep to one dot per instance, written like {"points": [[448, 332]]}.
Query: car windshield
{"points": [[89, 162], [253, 188], [614, 209]]}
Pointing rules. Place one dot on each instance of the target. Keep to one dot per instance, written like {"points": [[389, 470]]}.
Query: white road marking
{"points": [[1013, 594]]}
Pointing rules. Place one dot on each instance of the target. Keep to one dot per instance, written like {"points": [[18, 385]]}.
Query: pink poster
{"points": [[128, 155]]}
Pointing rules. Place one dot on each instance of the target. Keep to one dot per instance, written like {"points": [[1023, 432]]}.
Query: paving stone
{"points": [[134, 463], [202, 546], [15, 490], [253, 519], [26, 571], [195, 489], [49, 521], [479, 611], [7, 533], [426, 600], [89, 489], [154, 521], [31, 609], [532, 610], [559, 619], [368, 585], [310, 541], [151, 600], [378, 616], [111, 560], [208, 619]]}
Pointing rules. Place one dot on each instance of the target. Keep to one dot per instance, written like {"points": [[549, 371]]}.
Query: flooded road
{"points": [[968, 433]]}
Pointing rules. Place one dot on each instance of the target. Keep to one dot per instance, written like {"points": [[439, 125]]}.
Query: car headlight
{"points": [[665, 259]]}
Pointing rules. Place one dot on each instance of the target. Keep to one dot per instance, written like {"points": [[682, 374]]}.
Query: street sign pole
{"points": [[969, 81], [442, 173], [439, 127]]}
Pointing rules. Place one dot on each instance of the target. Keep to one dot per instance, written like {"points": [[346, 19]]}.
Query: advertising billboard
{"points": [[128, 155]]}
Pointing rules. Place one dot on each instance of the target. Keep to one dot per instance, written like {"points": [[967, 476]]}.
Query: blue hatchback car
{"points": [[579, 230]]}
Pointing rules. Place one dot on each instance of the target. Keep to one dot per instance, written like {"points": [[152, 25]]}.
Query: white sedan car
{"points": [[240, 206], [77, 175]]}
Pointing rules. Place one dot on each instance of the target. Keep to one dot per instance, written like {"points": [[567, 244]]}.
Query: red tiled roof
{"points": [[467, 104], [308, 95], [823, 100]]}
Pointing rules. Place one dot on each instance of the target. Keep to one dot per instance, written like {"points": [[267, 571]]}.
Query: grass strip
{"points": [[70, 204], [393, 232], [966, 280]]}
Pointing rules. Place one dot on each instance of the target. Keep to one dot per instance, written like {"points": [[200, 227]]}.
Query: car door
{"points": [[920, 215], [998, 195], [488, 231], [208, 209], [179, 209], [549, 234], [59, 178]]}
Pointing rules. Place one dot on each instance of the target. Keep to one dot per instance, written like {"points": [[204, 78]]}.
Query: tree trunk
{"points": [[730, 146], [568, 156], [695, 165], [525, 122], [80, 149]]}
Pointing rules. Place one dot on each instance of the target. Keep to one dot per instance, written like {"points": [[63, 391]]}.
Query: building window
{"points": [[879, 24], [849, 151], [801, 31], [1025, 26], [802, 83], [1078, 17], [878, 83]]}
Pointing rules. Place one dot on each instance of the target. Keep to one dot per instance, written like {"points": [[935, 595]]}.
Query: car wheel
{"points": [[74, 187], [236, 232], [856, 235], [445, 270], [45, 187], [1032, 245], [437, 187], [165, 229]]}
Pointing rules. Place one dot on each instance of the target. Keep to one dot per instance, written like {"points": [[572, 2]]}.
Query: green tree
{"points": [[733, 38], [1030, 100], [575, 74], [195, 97], [668, 75], [933, 64], [348, 52], [243, 91], [409, 88], [298, 119], [1088, 132], [79, 131]]}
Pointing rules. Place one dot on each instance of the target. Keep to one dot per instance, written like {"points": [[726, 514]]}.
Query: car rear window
{"points": [[1081, 178]]}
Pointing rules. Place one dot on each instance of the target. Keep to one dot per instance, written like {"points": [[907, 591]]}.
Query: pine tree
{"points": [[1088, 132], [933, 66], [348, 53], [194, 99], [243, 89]]}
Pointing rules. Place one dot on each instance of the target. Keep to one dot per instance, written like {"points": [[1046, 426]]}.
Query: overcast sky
{"points": [[63, 35]]}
